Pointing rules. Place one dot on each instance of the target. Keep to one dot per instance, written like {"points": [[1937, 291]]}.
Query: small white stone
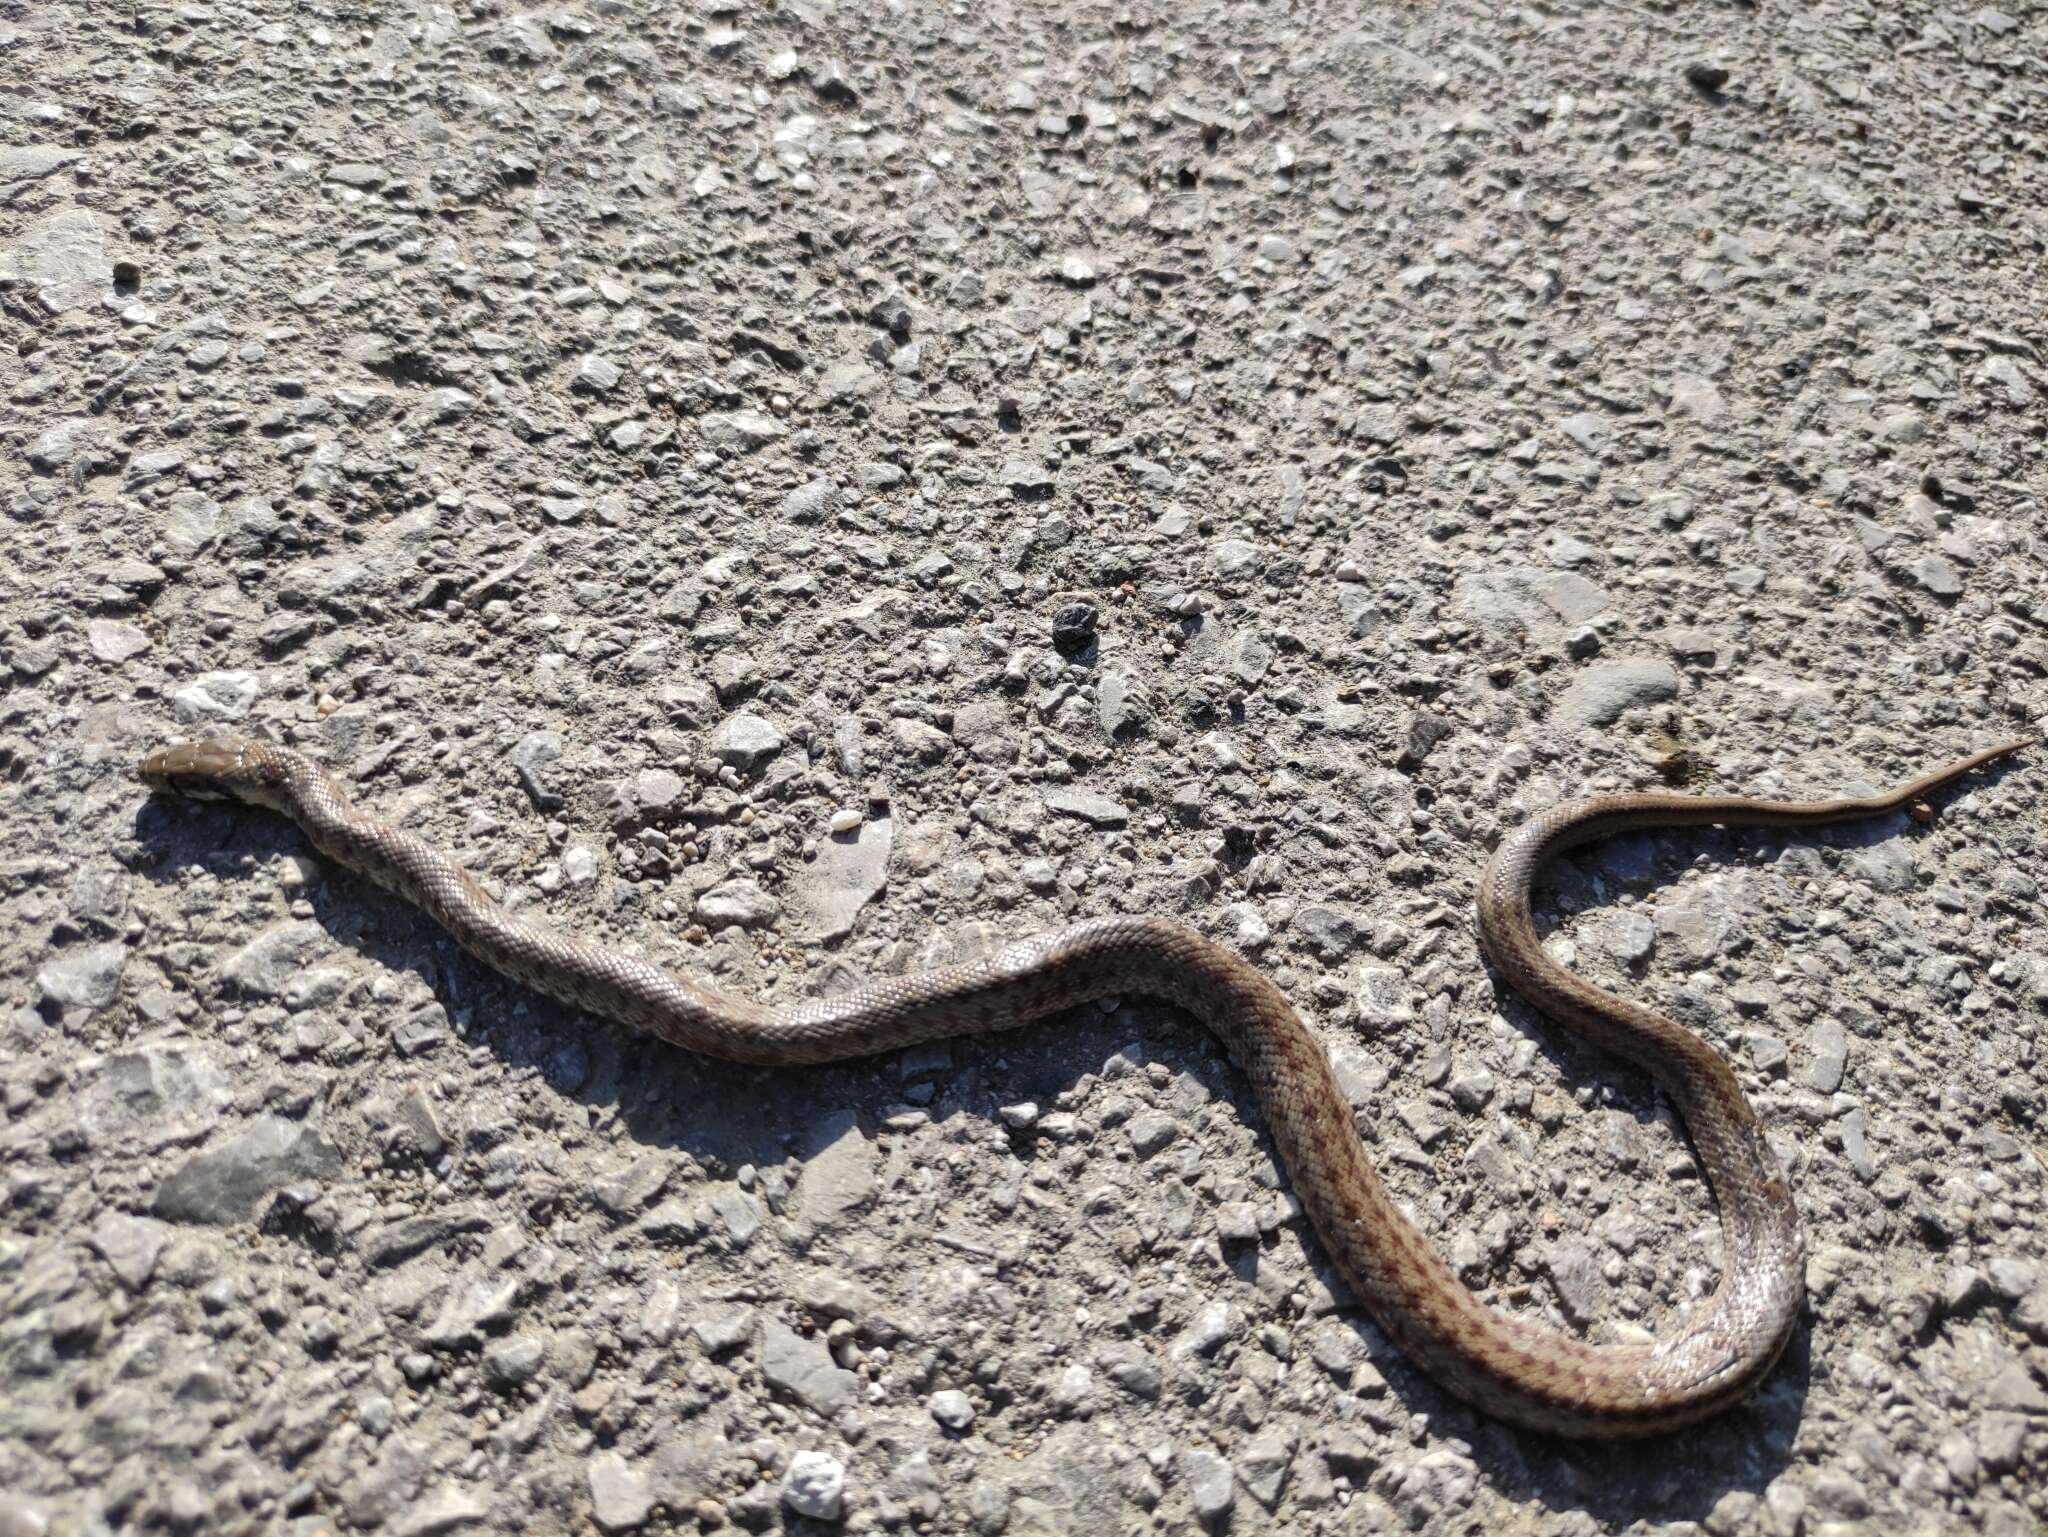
{"points": [[815, 1486], [953, 1409]]}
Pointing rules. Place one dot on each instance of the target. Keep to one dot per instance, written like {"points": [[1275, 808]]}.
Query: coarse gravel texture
{"points": [[803, 491]]}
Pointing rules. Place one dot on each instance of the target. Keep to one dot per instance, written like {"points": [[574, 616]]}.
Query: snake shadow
{"points": [[726, 1115]]}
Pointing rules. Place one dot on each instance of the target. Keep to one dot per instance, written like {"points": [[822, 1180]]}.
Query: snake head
{"points": [[221, 768]]}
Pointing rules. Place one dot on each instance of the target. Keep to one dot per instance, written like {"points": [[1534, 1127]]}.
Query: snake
{"points": [[1509, 1367]]}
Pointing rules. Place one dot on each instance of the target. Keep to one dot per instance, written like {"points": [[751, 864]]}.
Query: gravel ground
{"points": [[806, 491]]}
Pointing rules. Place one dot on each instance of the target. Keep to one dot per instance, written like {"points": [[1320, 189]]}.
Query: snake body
{"points": [[1505, 1366]]}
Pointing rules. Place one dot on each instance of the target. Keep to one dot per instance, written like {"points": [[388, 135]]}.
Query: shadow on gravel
{"points": [[726, 1115]]}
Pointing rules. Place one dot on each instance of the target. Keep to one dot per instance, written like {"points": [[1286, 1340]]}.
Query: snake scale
{"points": [[1507, 1367]]}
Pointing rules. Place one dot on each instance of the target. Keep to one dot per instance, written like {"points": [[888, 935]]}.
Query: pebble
{"points": [[130, 1246], [1262, 1466], [1211, 1485], [621, 1496], [1237, 1222], [1209, 1330], [953, 1410], [740, 431], [815, 1486], [1381, 995], [825, 897], [1150, 1133], [724, 1330], [215, 697], [1631, 937], [1073, 1391], [988, 1507], [738, 903], [266, 966], [812, 501], [1073, 628], [595, 374], [115, 640], [1122, 705], [533, 759]]}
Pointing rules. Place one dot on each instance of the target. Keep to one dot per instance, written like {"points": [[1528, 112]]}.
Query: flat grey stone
{"points": [[116, 640], [983, 727], [266, 965], [850, 869], [1262, 1466], [398, 1241], [953, 1410], [741, 431], [1150, 1132], [595, 374], [624, 1191], [803, 1369], [839, 1171], [1095, 810], [621, 1497], [32, 162], [1025, 476], [1576, 1276], [1327, 932], [130, 1246], [1630, 937], [1830, 1048], [215, 697], [1122, 705], [446, 1508], [725, 1329], [159, 1091], [533, 760], [87, 978], [483, 1299], [1604, 691], [226, 1183], [810, 502], [1211, 1485], [745, 741], [1383, 998], [61, 444], [447, 404], [739, 1212], [355, 173]]}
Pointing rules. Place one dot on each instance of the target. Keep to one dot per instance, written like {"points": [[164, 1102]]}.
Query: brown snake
{"points": [[1513, 1369]]}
